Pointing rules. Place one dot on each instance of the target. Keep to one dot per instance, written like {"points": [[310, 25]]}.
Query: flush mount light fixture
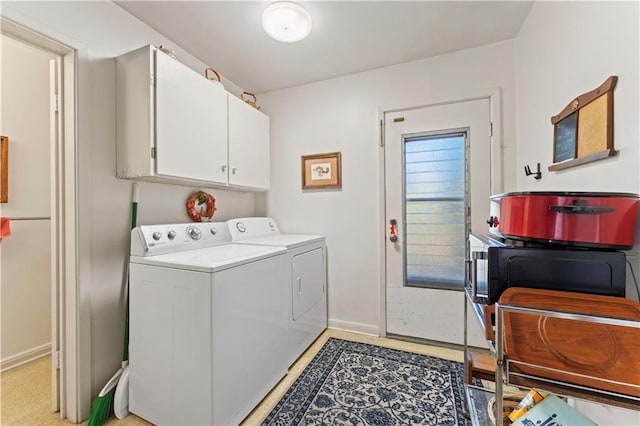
{"points": [[286, 21]]}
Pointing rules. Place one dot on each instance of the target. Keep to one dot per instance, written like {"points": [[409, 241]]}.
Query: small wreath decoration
{"points": [[201, 206]]}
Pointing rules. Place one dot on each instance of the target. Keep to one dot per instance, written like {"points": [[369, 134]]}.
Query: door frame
{"points": [[68, 320], [495, 100]]}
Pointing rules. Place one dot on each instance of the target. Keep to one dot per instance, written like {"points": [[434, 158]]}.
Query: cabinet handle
{"points": [[233, 170], [224, 168], [299, 286]]}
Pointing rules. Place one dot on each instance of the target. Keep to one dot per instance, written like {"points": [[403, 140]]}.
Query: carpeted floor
{"points": [[26, 390], [355, 383]]}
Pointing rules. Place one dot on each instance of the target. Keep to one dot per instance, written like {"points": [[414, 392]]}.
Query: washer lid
{"points": [[286, 240], [211, 259]]}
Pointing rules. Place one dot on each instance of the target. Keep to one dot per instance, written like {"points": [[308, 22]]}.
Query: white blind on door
{"points": [[435, 210]]}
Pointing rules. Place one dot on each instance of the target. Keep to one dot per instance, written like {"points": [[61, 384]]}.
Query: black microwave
{"points": [[494, 266]]}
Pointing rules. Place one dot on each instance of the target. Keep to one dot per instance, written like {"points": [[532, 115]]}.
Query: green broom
{"points": [[103, 407]]}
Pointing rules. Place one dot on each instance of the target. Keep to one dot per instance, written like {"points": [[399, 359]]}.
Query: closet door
{"points": [[191, 123]]}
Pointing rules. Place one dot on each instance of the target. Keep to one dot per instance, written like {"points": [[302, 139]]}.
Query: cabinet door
{"points": [[191, 123], [248, 145]]}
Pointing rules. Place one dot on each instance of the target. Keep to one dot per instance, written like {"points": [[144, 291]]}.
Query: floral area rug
{"points": [[350, 383]]}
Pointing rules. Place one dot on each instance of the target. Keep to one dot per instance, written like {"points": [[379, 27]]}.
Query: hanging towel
{"points": [[5, 228]]}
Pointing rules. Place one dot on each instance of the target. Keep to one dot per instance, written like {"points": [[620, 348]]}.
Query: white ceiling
{"points": [[347, 36]]}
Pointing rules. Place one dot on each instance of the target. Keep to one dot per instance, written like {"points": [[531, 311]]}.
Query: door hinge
{"points": [[381, 133], [55, 103], [153, 152], [491, 129], [55, 358], [153, 80]]}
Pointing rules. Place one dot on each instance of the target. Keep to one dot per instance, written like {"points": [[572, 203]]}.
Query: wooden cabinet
{"points": [[175, 126]]}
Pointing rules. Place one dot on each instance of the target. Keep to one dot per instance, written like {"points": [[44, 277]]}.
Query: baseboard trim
{"points": [[24, 357], [354, 327]]}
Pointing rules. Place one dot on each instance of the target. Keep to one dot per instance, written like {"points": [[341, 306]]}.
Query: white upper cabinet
{"points": [[191, 123], [174, 126], [248, 145]]}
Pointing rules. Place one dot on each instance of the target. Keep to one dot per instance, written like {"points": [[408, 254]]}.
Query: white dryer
{"points": [[306, 269], [208, 324]]}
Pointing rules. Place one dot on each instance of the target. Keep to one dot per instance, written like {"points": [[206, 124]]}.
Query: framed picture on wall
{"points": [[4, 170], [583, 130], [322, 170]]}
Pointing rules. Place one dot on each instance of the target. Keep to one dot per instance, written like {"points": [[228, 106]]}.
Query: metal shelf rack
{"points": [[510, 372]]}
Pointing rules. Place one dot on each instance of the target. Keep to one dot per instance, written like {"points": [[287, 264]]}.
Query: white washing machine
{"points": [[208, 324], [306, 258]]}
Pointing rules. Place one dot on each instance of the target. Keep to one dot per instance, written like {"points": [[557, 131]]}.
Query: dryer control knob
{"points": [[157, 236], [194, 233], [171, 234], [241, 226]]}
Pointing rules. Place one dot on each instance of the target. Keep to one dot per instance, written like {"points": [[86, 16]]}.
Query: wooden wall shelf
{"points": [[583, 160]]}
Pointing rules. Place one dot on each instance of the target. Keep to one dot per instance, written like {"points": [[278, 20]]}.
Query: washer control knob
{"points": [[271, 225], [171, 234], [240, 226], [213, 231], [157, 235], [194, 233]]}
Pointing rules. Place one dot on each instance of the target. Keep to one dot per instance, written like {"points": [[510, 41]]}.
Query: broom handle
{"points": [[134, 220]]}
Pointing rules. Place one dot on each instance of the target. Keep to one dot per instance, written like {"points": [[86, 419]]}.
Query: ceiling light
{"points": [[286, 21]]}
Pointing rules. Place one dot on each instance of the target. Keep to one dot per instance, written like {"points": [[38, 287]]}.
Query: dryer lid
{"points": [[286, 240]]}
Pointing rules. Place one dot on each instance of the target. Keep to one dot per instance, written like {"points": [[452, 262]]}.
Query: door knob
{"points": [[393, 235]]}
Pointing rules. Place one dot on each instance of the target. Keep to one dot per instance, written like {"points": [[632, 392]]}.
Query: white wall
{"points": [[25, 121], [563, 50], [100, 31], [342, 115], [26, 254]]}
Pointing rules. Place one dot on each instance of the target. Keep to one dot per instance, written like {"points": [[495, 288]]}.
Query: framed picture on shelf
{"points": [[322, 170]]}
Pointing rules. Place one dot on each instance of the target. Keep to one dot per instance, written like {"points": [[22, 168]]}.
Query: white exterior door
{"points": [[424, 297]]}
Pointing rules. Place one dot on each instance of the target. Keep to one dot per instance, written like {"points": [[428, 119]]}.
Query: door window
{"points": [[436, 219]]}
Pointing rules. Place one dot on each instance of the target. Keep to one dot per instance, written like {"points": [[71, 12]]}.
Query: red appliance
{"points": [[582, 219]]}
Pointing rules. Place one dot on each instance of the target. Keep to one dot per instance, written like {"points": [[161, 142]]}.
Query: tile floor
{"points": [[25, 391]]}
